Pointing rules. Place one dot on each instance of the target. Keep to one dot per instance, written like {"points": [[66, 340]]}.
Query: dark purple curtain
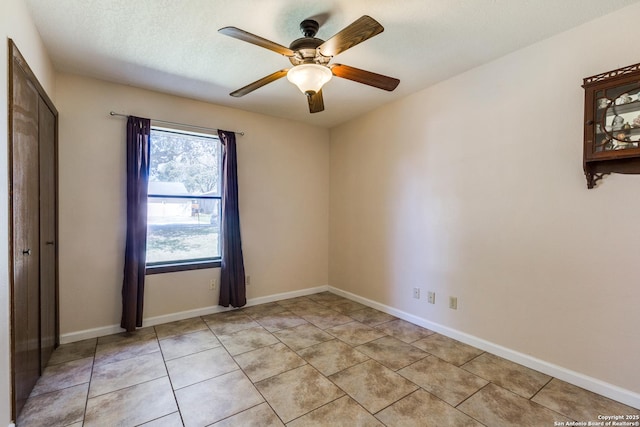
{"points": [[138, 131], [232, 285]]}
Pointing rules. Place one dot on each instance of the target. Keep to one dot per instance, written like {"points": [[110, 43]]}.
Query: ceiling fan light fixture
{"points": [[309, 77]]}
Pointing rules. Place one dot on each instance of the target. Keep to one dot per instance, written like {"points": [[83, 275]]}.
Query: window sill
{"points": [[172, 268]]}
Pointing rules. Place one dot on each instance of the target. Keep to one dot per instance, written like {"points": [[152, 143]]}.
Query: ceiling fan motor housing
{"points": [[306, 48], [306, 51]]}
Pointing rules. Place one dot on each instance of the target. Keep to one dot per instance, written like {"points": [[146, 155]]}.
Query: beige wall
{"points": [[15, 23], [474, 188], [283, 170]]}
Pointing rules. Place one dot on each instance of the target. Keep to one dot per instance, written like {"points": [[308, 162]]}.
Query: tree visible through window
{"points": [[183, 211]]}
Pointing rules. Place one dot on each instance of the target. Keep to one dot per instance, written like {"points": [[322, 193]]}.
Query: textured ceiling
{"points": [[174, 47]]}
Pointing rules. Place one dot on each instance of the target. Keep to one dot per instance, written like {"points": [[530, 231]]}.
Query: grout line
{"points": [[471, 360], [173, 391], [473, 394], [86, 400], [398, 400], [191, 354], [544, 406], [129, 386], [540, 389], [244, 410], [160, 417], [206, 379], [552, 410], [325, 404], [59, 389]]}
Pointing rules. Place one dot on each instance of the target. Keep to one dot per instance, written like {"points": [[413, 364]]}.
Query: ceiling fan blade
{"points": [[365, 77], [239, 34], [316, 103], [259, 83], [360, 30]]}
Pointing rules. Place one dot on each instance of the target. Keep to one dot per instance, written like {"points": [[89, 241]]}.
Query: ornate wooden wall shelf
{"points": [[612, 123]]}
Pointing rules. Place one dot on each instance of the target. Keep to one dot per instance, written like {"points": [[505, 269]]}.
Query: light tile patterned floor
{"points": [[320, 360]]}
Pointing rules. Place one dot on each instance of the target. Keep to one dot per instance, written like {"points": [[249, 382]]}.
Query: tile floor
{"points": [[319, 360]]}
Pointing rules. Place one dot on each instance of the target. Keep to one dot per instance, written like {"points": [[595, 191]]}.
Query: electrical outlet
{"points": [[431, 297], [416, 293], [247, 280], [213, 285], [453, 303]]}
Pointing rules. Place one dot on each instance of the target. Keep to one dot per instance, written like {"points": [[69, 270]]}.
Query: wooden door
{"points": [[33, 122], [25, 236], [48, 298]]}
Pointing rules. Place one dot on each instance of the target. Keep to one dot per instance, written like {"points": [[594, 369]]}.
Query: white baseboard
{"points": [[89, 333], [286, 295], [595, 385], [158, 320]]}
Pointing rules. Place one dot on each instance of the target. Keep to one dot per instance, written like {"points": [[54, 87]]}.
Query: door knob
{"points": [[27, 252], [49, 242]]}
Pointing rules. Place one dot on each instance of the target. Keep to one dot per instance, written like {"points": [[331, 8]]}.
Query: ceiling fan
{"points": [[310, 58]]}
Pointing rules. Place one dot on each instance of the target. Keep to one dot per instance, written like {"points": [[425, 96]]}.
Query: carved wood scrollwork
{"points": [[593, 178], [615, 73]]}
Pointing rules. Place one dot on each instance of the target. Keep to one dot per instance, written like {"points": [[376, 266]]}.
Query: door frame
{"points": [[15, 58]]}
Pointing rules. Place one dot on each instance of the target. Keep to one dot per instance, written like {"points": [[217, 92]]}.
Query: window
{"points": [[184, 201]]}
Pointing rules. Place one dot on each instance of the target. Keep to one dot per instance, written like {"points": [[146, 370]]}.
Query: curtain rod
{"points": [[113, 113]]}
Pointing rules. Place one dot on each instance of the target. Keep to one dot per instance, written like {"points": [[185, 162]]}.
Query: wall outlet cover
{"points": [[431, 297]]}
